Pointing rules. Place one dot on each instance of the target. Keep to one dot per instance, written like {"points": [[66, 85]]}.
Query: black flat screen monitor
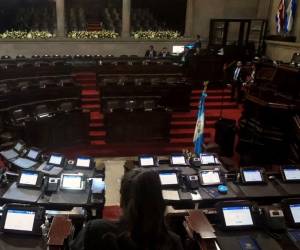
{"points": [[83, 162], [208, 159], [210, 177], [290, 173], [22, 219], [56, 159], [168, 179], [177, 160], [236, 215], [33, 154], [252, 176], [147, 161], [72, 182], [30, 179], [291, 209]]}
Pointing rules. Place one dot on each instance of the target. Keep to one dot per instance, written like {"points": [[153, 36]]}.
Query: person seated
{"points": [[150, 53], [164, 53], [142, 225]]}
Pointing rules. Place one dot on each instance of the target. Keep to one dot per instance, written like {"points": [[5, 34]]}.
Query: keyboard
{"points": [[9, 154], [24, 163]]}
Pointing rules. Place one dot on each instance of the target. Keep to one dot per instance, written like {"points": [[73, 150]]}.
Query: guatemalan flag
{"points": [[280, 16], [199, 129], [290, 15]]}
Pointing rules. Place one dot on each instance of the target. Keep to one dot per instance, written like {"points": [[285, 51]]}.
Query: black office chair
{"points": [[4, 89], [66, 107], [139, 81], [130, 105], [42, 111], [20, 56], [112, 105], [22, 86], [67, 82], [19, 117], [5, 57]]}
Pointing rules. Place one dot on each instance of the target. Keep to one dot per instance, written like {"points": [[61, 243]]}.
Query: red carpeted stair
{"points": [[182, 123]]}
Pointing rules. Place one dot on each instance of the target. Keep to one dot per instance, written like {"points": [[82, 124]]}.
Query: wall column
{"points": [[263, 9], [189, 18], [126, 18], [60, 18]]}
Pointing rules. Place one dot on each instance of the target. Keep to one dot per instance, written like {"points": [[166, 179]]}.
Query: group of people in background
{"points": [[152, 53]]}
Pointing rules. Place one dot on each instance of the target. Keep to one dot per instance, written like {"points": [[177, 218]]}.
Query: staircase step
{"points": [[212, 99], [96, 116], [91, 106], [90, 100], [97, 142], [214, 92], [87, 92], [216, 105], [183, 124], [97, 133], [96, 125]]}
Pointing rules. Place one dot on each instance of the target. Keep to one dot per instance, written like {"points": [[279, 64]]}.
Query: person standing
{"points": [[237, 82]]}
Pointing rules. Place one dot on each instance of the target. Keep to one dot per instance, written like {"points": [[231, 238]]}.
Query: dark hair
{"points": [[126, 187], [145, 211]]}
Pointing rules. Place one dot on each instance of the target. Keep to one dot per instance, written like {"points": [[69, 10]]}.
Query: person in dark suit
{"points": [[142, 225], [164, 53], [150, 53], [237, 82]]}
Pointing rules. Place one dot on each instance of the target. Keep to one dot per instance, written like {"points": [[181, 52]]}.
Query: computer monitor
{"points": [[291, 209], [210, 177], [295, 211], [290, 173], [177, 49], [168, 179], [18, 147], [30, 179], [83, 162], [33, 153], [207, 159], [177, 160], [147, 161], [55, 159], [72, 182], [22, 219], [252, 175], [237, 216]]}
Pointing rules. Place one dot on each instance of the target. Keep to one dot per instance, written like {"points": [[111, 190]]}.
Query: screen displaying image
{"points": [[83, 162], [295, 210], [237, 216], [178, 160], [147, 161], [252, 175], [292, 174], [177, 49], [207, 159], [20, 220], [72, 182], [168, 178], [32, 154], [210, 177], [56, 160], [29, 178], [18, 146], [98, 185]]}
